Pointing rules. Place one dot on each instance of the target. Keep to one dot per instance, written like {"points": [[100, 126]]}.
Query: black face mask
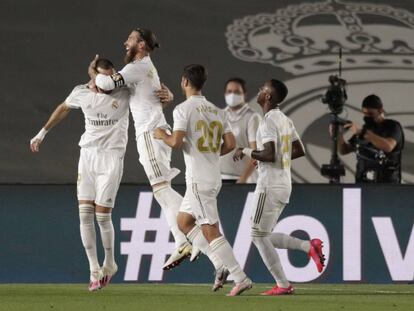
{"points": [[370, 122]]}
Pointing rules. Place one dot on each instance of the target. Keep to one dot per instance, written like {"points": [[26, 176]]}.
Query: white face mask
{"points": [[233, 100]]}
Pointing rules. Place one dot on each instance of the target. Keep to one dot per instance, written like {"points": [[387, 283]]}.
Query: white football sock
{"points": [[281, 240], [222, 249], [270, 258], [196, 237], [88, 234], [170, 202], [108, 237]]}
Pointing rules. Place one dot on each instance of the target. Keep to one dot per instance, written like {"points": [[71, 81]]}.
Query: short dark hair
{"points": [[372, 101], [237, 80], [196, 74], [280, 89], [103, 63], [149, 37]]}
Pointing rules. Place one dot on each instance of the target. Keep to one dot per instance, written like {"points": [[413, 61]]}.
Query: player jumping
{"points": [[100, 168], [141, 78]]}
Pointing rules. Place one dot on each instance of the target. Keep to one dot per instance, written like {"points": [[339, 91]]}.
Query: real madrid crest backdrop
{"points": [[47, 46]]}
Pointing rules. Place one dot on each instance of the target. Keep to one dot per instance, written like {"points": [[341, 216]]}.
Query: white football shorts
{"points": [[99, 175], [155, 157], [200, 200], [267, 209]]}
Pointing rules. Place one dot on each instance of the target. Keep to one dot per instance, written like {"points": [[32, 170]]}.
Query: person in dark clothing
{"points": [[378, 144]]}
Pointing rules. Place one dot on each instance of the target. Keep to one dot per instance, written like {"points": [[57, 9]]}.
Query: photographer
{"points": [[378, 144]]}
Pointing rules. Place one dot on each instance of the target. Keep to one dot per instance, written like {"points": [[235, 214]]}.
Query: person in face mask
{"points": [[378, 144], [244, 122]]}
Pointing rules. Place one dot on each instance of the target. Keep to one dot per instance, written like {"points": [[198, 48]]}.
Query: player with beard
{"points": [[141, 77], [278, 144]]}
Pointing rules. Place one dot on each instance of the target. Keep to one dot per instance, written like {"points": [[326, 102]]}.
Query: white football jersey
{"points": [[277, 127], [141, 77], [244, 123], [204, 124], [106, 117]]}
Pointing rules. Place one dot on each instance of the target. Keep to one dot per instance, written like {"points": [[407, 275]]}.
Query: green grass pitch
{"points": [[171, 297]]}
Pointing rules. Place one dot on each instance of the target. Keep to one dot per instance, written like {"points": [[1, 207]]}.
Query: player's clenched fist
{"points": [[37, 140]]}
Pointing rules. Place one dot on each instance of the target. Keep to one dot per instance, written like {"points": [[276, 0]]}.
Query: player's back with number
{"points": [[205, 125]]}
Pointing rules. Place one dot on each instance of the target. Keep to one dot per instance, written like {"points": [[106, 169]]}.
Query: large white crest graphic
{"points": [[377, 42]]}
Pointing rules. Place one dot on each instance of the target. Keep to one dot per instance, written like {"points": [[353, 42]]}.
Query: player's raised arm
{"points": [[92, 71], [58, 115]]}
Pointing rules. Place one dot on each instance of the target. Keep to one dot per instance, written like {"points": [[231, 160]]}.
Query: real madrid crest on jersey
{"points": [[377, 42], [115, 104]]}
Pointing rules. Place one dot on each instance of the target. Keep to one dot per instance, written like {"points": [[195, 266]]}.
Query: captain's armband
{"points": [[118, 79]]}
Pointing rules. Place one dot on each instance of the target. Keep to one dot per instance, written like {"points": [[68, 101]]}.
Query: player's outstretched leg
{"points": [[313, 247], [106, 227], [272, 261], [88, 236]]}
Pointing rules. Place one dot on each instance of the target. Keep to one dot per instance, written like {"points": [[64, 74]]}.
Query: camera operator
{"points": [[378, 144]]}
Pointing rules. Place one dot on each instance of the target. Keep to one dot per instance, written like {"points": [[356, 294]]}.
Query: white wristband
{"points": [[41, 135], [247, 151]]}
